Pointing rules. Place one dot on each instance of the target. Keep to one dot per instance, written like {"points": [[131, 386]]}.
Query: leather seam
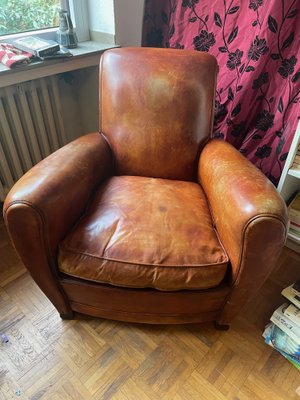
{"points": [[113, 157], [145, 314], [107, 282], [101, 94], [244, 233], [246, 227], [141, 263], [42, 223]]}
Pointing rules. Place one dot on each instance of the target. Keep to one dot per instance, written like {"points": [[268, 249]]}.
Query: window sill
{"points": [[85, 55]]}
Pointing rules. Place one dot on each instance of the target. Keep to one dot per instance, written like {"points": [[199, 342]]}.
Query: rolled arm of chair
{"points": [[45, 203], [250, 218]]}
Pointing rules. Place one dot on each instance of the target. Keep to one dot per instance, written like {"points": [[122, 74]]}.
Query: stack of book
{"points": [[41, 48], [283, 333], [296, 162], [294, 215]]}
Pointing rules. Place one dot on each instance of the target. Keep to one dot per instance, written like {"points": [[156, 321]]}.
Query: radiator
{"points": [[31, 127]]}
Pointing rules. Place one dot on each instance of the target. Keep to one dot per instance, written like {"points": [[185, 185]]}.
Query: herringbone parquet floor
{"points": [[86, 358]]}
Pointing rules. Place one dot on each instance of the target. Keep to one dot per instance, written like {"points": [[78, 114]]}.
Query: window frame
{"points": [[79, 16]]}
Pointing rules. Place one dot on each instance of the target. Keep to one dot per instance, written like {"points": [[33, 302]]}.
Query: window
{"points": [[40, 17], [27, 15]]}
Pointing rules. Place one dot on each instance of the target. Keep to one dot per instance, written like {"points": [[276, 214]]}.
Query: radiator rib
{"points": [[8, 143], [6, 175], [58, 112], [17, 128], [47, 107], [31, 127], [39, 120]]}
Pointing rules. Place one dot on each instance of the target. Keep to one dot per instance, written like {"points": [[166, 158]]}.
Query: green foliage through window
{"points": [[25, 15]]}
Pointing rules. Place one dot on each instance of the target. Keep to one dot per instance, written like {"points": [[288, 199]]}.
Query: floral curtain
{"points": [[257, 45]]}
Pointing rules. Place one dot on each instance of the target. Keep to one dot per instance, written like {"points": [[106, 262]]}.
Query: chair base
{"points": [[69, 315], [221, 327], [144, 305]]}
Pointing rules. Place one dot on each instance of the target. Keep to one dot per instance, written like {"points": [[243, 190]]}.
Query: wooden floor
{"points": [[47, 358]]}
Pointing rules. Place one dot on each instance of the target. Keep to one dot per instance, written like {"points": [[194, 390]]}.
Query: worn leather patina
{"points": [[157, 121], [149, 220], [146, 232]]}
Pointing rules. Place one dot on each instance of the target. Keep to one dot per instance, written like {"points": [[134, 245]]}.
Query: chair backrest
{"points": [[156, 109]]}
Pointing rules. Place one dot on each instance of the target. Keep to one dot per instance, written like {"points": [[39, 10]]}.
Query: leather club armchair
{"points": [[149, 220]]}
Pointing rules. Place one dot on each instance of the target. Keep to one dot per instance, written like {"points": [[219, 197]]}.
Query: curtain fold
{"points": [[257, 45]]}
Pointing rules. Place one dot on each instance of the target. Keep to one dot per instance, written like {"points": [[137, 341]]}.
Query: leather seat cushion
{"points": [[145, 232]]}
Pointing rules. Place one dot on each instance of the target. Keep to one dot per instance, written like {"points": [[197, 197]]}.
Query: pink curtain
{"points": [[257, 45]]}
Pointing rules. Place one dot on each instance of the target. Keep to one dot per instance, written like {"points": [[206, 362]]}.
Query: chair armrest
{"points": [[250, 218], [45, 203]]}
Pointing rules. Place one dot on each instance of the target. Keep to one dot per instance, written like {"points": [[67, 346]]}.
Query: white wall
{"points": [[101, 16], [122, 18], [129, 22], [70, 107], [89, 99], [80, 99]]}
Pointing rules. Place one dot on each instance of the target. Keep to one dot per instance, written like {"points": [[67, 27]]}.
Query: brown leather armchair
{"points": [[149, 220]]}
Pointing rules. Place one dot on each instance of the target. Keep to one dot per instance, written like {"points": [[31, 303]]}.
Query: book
{"points": [[296, 286], [285, 324], [62, 53], [293, 313], [267, 335], [293, 362], [294, 207], [297, 158], [36, 46], [289, 294], [291, 359], [294, 228], [280, 341], [294, 215]]}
